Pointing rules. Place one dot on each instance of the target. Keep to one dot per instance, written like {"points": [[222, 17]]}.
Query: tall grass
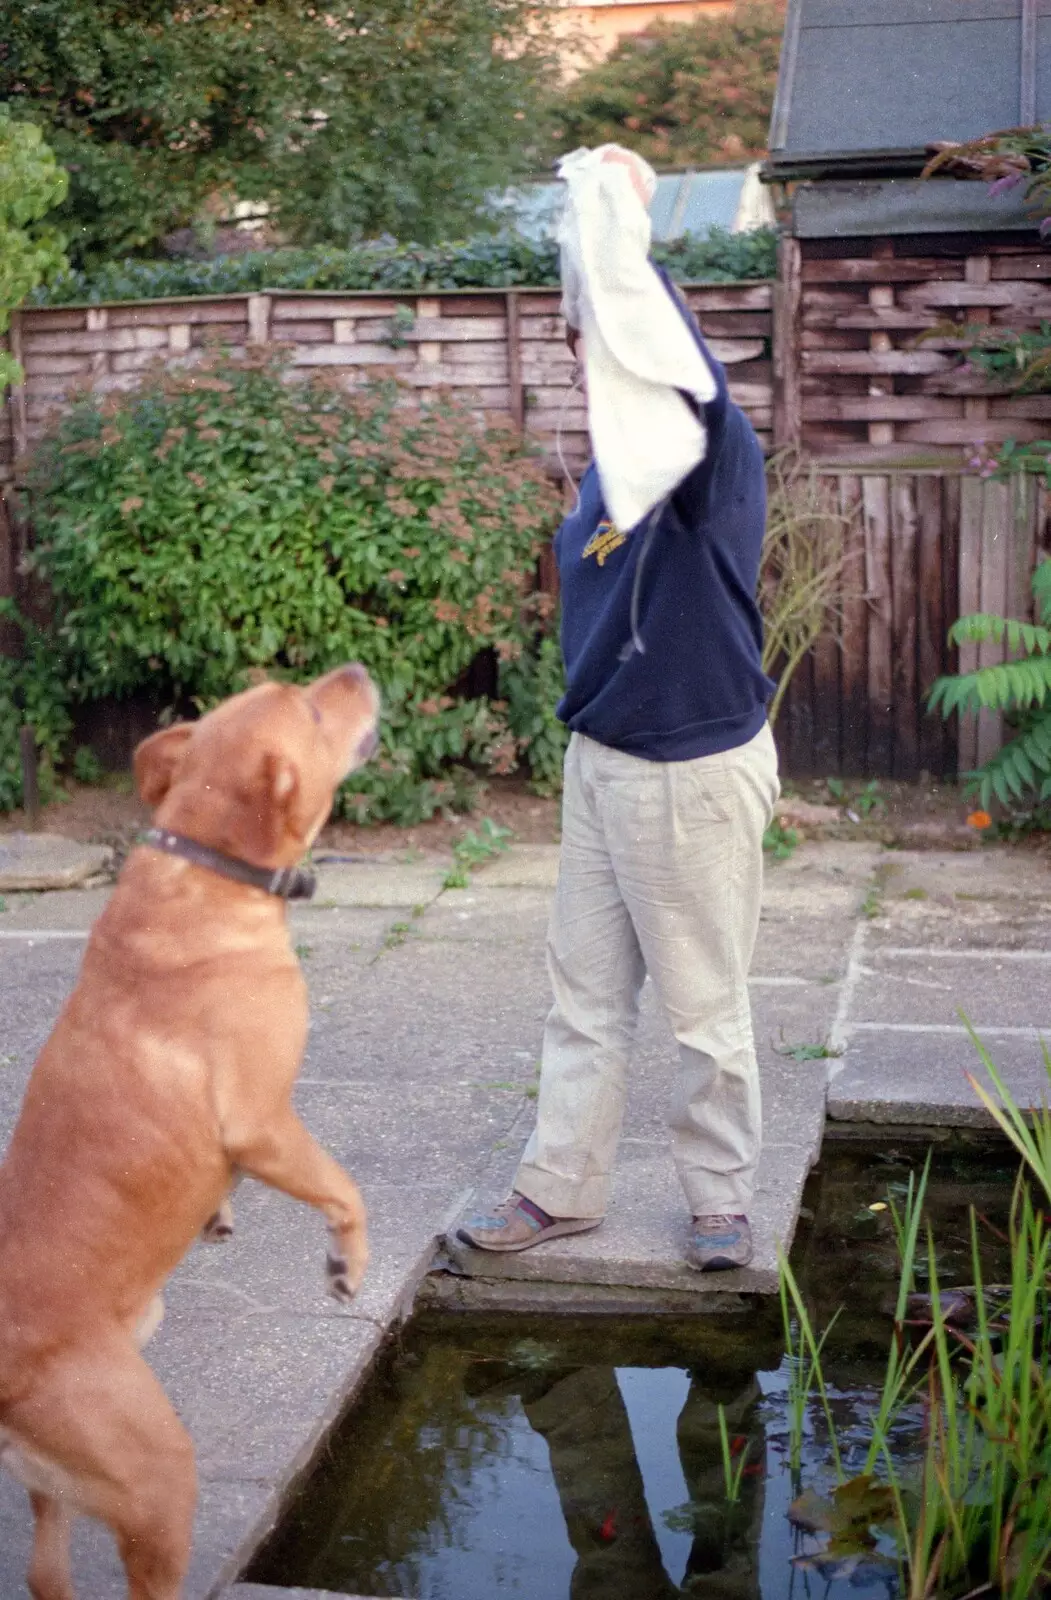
{"points": [[973, 1517]]}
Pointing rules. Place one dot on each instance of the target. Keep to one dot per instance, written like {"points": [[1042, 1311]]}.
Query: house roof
{"points": [[686, 204], [865, 87]]}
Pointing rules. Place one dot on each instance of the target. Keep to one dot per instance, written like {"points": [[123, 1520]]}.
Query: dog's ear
{"points": [[156, 760], [276, 796]]}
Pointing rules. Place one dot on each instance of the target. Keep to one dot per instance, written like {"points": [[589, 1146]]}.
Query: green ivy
{"points": [[222, 522], [503, 262]]}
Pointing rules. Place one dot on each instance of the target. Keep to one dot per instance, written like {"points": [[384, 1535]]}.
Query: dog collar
{"points": [[288, 883]]}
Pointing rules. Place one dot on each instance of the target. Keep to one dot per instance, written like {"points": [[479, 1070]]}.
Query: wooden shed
{"points": [[874, 258]]}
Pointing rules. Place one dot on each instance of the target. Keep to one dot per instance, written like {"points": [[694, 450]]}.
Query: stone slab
{"points": [[988, 898], [523, 866], [450, 1013], [379, 883], [912, 1077], [274, 1264], [640, 1243], [48, 861], [493, 915], [918, 987], [56, 911], [226, 1512], [262, 1591]]}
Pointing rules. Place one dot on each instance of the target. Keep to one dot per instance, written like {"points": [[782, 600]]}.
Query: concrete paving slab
{"points": [[48, 861], [994, 897], [932, 989], [446, 1012], [275, 1261], [913, 1077], [523, 866], [224, 1512], [426, 1133], [335, 936], [258, 1390], [58, 910], [640, 1243], [379, 883], [261, 1591], [481, 913]]}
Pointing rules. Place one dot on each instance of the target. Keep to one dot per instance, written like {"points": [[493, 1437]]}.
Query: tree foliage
{"points": [[31, 183], [387, 115], [681, 94]]}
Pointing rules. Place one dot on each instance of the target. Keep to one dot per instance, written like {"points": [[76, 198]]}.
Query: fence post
{"points": [[788, 410], [516, 402]]}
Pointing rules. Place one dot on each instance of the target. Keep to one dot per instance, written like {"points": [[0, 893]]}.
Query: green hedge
{"points": [[503, 262]]}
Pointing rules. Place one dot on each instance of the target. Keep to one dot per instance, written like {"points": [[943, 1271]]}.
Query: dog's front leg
{"points": [[220, 1224], [49, 1575], [288, 1158]]}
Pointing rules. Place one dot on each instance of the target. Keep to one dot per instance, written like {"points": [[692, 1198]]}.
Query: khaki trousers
{"points": [[660, 872]]}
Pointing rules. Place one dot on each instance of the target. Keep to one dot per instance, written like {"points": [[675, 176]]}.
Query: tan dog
{"points": [[169, 1070]]}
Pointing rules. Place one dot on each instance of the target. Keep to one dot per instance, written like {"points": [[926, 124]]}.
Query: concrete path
{"points": [[420, 1074]]}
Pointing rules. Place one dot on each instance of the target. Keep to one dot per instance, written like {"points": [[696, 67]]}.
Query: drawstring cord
{"points": [[635, 643]]}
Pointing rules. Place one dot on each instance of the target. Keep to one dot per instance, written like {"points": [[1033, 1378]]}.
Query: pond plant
{"points": [[966, 1513]]}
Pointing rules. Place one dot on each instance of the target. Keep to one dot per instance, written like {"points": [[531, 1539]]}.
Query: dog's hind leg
{"points": [[288, 1158], [101, 1420], [49, 1576]]}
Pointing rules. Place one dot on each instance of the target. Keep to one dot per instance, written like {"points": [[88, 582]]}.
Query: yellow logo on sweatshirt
{"points": [[605, 539]]}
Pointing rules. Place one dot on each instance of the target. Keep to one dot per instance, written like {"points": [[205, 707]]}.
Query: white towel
{"points": [[638, 351]]}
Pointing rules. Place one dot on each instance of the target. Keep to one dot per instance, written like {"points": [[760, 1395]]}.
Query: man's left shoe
{"points": [[719, 1242]]}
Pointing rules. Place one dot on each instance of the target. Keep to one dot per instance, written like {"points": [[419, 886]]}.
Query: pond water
{"points": [[554, 1458]]}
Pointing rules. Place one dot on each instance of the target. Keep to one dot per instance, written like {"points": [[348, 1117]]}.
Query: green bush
{"points": [[490, 263], [222, 522], [33, 691]]}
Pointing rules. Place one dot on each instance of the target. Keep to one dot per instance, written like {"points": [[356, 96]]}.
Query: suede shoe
{"points": [[518, 1224], [719, 1242]]}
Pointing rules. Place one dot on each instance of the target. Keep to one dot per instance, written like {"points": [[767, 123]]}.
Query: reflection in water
{"points": [[546, 1458]]}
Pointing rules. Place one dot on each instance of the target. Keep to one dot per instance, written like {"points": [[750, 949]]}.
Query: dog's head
{"points": [[256, 776]]}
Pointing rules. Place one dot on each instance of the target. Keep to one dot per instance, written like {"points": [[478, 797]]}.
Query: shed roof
{"points": [[865, 87]]}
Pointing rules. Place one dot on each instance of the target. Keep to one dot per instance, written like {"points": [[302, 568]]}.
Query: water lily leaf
{"points": [[859, 1568], [812, 1512], [853, 1507], [862, 1500]]}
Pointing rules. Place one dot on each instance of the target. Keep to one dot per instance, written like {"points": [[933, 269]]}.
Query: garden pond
{"points": [[564, 1458]]}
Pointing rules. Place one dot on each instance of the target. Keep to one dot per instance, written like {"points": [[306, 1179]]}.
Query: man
{"points": [[671, 772]]}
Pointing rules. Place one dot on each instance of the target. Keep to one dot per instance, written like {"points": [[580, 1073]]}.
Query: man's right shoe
{"points": [[518, 1224], [719, 1243]]}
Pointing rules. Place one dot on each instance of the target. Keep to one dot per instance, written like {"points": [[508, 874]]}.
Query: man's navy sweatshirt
{"points": [[697, 687]]}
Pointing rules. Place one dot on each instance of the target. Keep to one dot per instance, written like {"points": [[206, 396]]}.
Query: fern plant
{"points": [[1020, 688]]}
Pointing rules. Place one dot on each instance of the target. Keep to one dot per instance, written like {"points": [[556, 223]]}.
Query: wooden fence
{"points": [[504, 351], [892, 415], [827, 361]]}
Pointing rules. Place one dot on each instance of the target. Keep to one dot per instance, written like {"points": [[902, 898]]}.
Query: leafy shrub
{"points": [[491, 263], [223, 521], [32, 690], [688, 93], [1020, 688]]}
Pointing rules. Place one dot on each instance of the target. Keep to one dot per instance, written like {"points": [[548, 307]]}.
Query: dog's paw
{"points": [[337, 1274], [220, 1226]]}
